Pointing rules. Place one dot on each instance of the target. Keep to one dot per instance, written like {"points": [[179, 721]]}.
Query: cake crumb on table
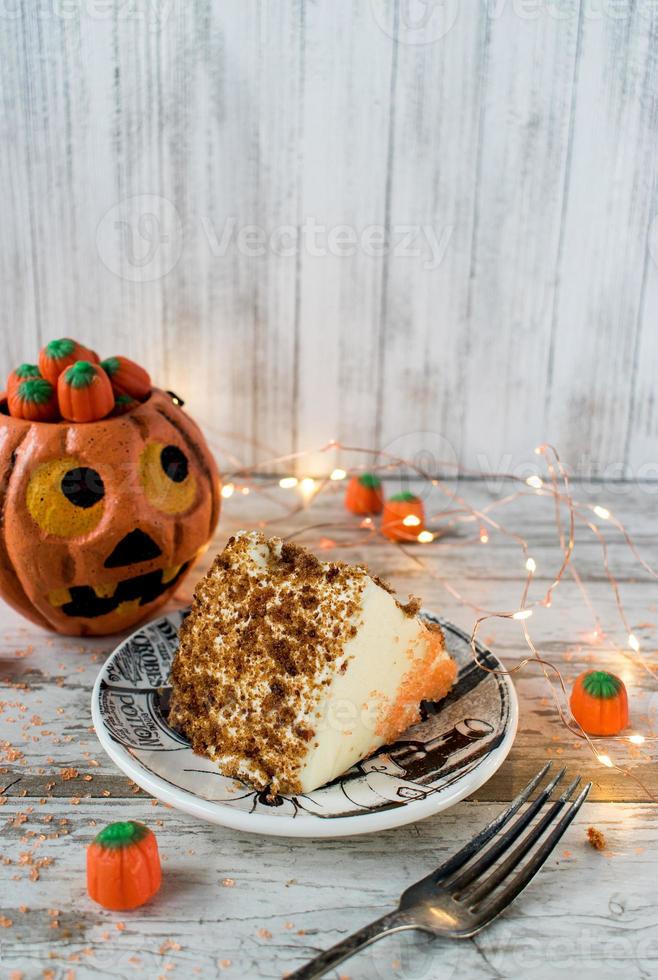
{"points": [[596, 839]]}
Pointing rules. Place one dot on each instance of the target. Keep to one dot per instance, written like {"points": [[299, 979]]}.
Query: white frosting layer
{"points": [[384, 650]]}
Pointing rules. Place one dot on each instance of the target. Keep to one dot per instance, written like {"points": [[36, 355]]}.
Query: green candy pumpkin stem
{"points": [[404, 497], [121, 834], [57, 349], [35, 390], [110, 365], [370, 480], [80, 375], [601, 684], [25, 371]]}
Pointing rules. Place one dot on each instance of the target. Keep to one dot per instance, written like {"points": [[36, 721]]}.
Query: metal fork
{"points": [[460, 898]]}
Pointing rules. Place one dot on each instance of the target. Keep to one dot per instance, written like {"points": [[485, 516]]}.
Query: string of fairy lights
{"points": [[569, 514]]}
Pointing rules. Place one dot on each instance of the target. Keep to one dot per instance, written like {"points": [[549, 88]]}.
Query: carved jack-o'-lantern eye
{"points": [[65, 498], [164, 473]]}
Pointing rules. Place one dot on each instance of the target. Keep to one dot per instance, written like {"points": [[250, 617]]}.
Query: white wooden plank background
{"points": [[524, 137]]}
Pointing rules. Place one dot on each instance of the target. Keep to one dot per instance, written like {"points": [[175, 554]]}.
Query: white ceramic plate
{"points": [[458, 746]]}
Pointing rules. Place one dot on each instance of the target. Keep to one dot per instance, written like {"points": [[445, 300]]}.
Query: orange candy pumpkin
{"points": [[34, 399], [100, 528], [85, 393], [22, 373], [403, 518], [127, 378], [60, 354], [599, 703], [364, 495], [123, 866]]}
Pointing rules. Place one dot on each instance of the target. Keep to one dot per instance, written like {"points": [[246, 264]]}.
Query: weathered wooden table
{"points": [[247, 906]]}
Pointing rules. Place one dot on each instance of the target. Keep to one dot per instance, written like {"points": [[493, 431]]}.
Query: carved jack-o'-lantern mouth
{"points": [[88, 601]]}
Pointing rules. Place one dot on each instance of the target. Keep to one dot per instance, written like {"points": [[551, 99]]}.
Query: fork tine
{"points": [[473, 846], [485, 887], [503, 842], [485, 913]]}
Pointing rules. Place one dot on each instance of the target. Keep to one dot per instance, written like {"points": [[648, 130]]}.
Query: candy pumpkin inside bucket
{"points": [[102, 520]]}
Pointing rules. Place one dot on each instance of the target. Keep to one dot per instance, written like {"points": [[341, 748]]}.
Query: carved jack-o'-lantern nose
{"points": [[135, 547]]}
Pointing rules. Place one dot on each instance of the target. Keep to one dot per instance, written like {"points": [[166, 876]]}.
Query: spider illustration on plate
{"points": [[285, 805]]}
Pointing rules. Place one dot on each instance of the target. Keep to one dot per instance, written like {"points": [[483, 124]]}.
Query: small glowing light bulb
{"points": [[633, 642], [484, 535], [531, 565], [425, 537], [636, 739], [605, 760], [307, 488], [244, 491], [338, 474], [535, 482], [411, 520], [540, 450], [366, 522], [522, 614], [228, 490], [601, 512], [288, 482]]}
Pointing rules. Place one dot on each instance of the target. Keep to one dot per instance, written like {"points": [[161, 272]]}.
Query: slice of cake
{"points": [[291, 669]]}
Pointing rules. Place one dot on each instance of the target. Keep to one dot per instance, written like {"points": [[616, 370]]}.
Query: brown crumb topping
{"points": [[410, 608], [596, 839], [267, 624]]}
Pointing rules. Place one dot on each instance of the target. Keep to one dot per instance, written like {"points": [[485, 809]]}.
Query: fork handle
{"points": [[392, 922]]}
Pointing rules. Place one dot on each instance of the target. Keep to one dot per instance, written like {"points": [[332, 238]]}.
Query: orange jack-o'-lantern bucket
{"points": [[100, 521]]}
